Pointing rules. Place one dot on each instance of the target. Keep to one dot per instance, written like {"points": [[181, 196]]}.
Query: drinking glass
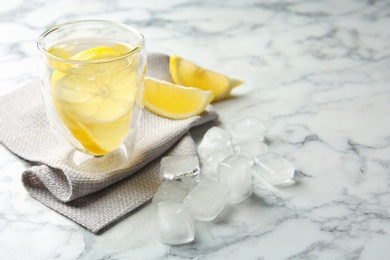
{"points": [[91, 75]]}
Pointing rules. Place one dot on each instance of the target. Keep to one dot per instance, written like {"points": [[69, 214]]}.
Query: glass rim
{"points": [[105, 60]]}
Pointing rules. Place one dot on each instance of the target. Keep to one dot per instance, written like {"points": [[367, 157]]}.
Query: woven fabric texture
{"points": [[94, 192]]}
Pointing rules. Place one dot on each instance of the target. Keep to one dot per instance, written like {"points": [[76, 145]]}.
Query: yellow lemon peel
{"points": [[186, 73]]}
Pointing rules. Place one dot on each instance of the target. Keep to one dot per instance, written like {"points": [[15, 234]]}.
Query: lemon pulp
{"points": [[173, 101]]}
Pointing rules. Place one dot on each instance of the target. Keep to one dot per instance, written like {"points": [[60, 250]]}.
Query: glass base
{"points": [[88, 162]]}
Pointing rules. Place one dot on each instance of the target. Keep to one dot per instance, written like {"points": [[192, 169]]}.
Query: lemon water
{"points": [[72, 47], [94, 90]]}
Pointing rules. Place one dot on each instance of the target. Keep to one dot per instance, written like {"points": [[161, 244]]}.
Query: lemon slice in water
{"points": [[98, 139], [96, 98]]}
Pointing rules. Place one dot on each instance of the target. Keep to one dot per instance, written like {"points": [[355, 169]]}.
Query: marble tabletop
{"points": [[316, 73]]}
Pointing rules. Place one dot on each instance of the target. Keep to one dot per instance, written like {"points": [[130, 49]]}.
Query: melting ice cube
{"points": [[206, 200], [206, 171], [248, 128], [175, 167], [214, 139], [174, 191], [236, 173], [251, 148], [174, 225], [274, 168], [191, 181], [217, 156]]}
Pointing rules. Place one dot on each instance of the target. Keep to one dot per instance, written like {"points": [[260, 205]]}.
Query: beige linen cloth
{"points": [[95, 193]]}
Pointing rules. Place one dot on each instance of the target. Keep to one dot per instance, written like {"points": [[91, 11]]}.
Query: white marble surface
{"points": [[317, 73]]}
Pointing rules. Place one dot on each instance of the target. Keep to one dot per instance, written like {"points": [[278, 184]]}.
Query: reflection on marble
{"points": [[316, 72]]}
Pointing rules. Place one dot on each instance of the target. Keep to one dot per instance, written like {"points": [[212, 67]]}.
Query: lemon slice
{"points": [[97, 53], [96, 98], [59, 52], [121, 48], [188, 74], [173, 101], [98, 139]]}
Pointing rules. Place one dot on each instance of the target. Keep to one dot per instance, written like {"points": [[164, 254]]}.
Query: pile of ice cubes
{"points": [[199, 191]]}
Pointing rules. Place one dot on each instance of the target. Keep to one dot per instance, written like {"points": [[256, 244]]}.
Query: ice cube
{"points": [[274, 168], [206, 171], [217, 156], [174, 225], [214, 139], [251, 148], [175, 167], [236, 173], [191, 181], [174, 191], [248, 128], [206, 200]]}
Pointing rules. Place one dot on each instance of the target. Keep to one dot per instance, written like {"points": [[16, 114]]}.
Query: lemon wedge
{"points": [[173, 101], [188, 74], [96, 103]]}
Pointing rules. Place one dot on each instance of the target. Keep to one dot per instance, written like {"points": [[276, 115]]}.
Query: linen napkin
{"points": [[94, 193]]}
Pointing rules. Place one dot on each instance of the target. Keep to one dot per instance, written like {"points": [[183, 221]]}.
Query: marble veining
{"points": [[316, 72]]}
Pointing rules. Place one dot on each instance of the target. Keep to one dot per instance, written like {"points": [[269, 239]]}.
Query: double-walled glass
{"points": [[92, 76]]}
